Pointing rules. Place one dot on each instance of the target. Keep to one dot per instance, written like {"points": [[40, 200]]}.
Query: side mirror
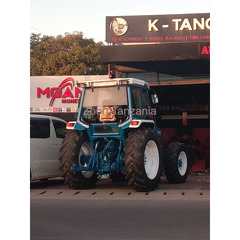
{"points": [[154, 98]]}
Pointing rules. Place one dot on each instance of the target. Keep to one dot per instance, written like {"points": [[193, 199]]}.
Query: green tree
{"points": [[34, 40], [66, 55]]}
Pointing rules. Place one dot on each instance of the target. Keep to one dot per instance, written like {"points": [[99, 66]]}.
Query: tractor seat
{"points": [[107, 115]]}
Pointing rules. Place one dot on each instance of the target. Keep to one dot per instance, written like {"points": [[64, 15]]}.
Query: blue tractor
{"points": [[116, 134]]}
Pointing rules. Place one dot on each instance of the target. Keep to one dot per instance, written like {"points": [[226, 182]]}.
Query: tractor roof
{"points": [[113, 82]]}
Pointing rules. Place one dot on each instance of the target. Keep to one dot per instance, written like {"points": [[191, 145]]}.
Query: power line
{"points": [[37, 30]]}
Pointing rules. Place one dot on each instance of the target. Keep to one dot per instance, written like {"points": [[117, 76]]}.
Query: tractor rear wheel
{"points": [[74, 145], [176, 162], [142, 159]]}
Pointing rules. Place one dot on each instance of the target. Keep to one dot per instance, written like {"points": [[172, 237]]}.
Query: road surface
{"points": [[114, 211]]}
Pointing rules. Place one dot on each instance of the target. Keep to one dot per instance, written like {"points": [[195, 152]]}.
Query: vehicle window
{"points": [[141, 103], [97, 98], [60, 128], [105, 96], [136, 99], [39, 128], [146, 105]]}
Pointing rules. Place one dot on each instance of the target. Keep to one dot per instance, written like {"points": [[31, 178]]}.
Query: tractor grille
{"points": [[106, 129]]}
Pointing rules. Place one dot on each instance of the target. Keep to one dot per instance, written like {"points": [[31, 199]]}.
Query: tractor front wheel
{"points": [[142, 159], [74, 145]]}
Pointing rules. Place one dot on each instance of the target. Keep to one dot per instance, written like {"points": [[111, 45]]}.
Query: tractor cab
{"points": [[114, 107], [118, 101]]}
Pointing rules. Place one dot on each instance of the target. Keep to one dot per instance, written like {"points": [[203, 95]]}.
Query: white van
{"points": [[46, 135]]}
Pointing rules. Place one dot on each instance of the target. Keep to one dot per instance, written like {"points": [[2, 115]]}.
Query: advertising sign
{"points": [[57, 93], [158, 28]]}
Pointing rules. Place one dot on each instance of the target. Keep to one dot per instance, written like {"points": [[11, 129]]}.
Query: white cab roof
{"points": [[113, 82]]}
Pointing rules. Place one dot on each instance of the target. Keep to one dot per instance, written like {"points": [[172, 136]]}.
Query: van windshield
{"points": [[102, 101]]}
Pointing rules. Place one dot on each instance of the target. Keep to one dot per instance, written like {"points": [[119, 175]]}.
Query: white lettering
{"points": [[196, 22], [151, 25], [186, 24], [208, 23], [176, 21]]}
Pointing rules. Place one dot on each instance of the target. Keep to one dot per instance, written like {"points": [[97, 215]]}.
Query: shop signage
{"points": [[158, 28], [57, 93], [205, 50], [64, 90]]}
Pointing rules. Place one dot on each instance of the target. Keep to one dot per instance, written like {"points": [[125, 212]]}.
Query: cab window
{"points": [[146, 105], [136, 102], [141, 105]]}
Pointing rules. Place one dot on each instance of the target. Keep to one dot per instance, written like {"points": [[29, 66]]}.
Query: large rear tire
{"points": [[142, 160], [74, 145], [176, 163]]}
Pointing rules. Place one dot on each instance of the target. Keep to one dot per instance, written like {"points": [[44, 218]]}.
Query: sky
{"points": [[56, 17]]}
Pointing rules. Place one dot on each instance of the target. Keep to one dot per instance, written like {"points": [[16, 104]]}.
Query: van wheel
{"points": [[142, 160], [74, 145]]}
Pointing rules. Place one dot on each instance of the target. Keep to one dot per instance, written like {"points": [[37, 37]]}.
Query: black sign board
{"points": [[158, 28]]}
